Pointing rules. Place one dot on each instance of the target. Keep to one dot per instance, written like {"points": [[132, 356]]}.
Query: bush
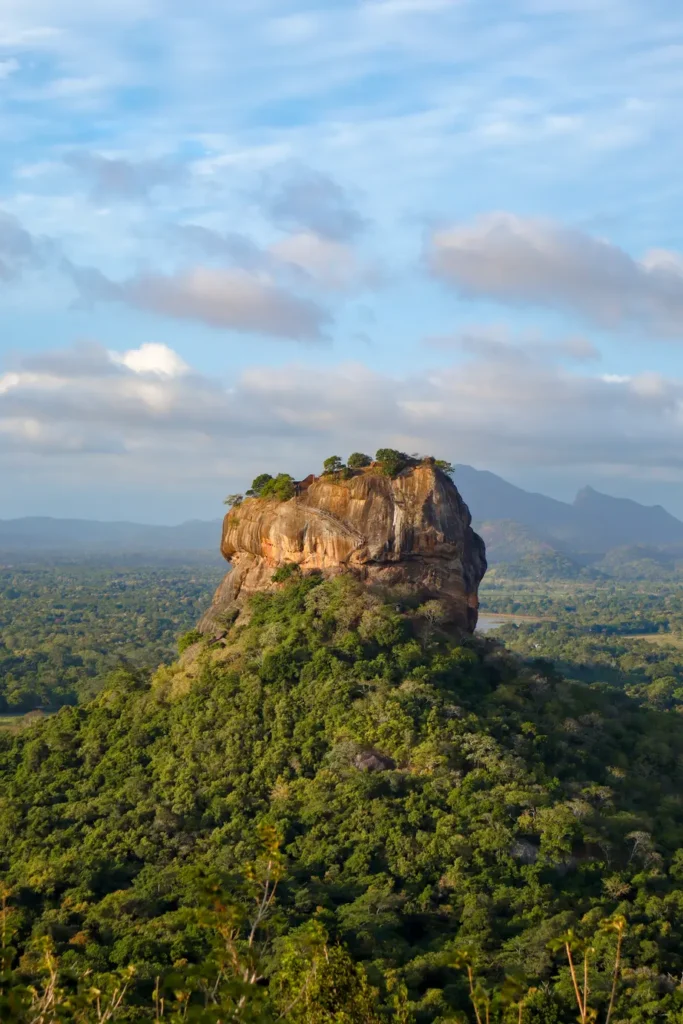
{"points": [[193, 636], [358, 460], [282, 487], [286, 572], [391, 460]]}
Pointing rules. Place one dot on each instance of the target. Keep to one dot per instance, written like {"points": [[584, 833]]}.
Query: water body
{"points": [[488, 621]]}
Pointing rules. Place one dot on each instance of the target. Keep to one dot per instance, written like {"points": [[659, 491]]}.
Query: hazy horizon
{"points": [[216, 514]]}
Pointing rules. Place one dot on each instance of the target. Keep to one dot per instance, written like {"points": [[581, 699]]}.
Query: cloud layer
{"points": [[303, 199], [228, 299], [517, 260], [146, 406]]}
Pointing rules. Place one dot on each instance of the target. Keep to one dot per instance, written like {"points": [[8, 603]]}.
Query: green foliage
{"points": [[357, 460], [445, 466], [258, 484], [282, 487], [391, 461], [286, 572], [233, 500], [65, 628], [430, 791], [193, 636], [333, 465], [319, 982], [611, 634], [313, 982]]}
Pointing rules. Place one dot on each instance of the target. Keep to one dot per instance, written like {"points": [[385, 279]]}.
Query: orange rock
{"points": [[413, 529]]}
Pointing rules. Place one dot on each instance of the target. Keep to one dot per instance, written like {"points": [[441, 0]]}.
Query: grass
{"points": [[659, 639], [20, 721]]}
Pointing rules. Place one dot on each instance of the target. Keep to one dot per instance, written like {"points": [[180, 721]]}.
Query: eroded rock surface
{"points": [[412, 530]]}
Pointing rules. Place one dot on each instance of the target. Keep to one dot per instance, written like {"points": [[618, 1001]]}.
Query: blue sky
{"points": [[238, 237]]}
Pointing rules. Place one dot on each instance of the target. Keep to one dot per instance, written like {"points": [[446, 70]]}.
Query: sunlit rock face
{"points": [[413, 530]]}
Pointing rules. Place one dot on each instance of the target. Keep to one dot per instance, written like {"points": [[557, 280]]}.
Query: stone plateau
{"points": [[413, 530]]}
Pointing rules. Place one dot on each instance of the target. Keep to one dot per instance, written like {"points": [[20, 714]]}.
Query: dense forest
{"points": [[65, 627], [342, 812], [628, 636]]}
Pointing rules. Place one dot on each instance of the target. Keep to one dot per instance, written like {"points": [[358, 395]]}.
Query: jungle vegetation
{"points": [[343, 812]]}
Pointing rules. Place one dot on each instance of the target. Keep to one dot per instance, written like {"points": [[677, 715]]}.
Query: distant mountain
{"points": [[643, 563], [489, 497], [42, 534], [596, 534], [620, 521], [518, 525], [507, 540]]}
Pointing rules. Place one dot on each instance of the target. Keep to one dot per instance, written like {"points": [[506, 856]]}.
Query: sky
{"points": [[239, 236]]}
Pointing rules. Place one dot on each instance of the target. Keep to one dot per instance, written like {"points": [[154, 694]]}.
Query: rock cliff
{"points": [[411, 530]]}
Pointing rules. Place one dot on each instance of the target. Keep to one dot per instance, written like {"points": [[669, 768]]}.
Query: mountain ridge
{"points": [[515, 524], [586, 529]]}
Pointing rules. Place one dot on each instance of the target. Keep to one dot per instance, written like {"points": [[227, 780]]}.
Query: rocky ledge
{"points": [[412, 530]]}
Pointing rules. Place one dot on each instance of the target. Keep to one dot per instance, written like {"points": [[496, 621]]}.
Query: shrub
{"points": [[391, 460], [286, 572], [193, 636], [282, 487], [358, 460]]}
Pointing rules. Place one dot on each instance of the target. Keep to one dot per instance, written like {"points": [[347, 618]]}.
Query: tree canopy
{"points": [[446, 815]]}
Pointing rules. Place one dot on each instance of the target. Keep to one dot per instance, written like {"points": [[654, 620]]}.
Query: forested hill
{"points": [[342, 812]]}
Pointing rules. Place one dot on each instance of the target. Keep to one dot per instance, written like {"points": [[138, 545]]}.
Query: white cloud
{"points": [[227, 299], [152, 358], [149, 409], [330, 263], [497, 343], [518, 260]]}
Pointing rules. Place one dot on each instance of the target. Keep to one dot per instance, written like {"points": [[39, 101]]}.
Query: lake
{"points": [[488, 621]]}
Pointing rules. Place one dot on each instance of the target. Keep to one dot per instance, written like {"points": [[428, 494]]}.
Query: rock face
{"points": [[413, 530]]}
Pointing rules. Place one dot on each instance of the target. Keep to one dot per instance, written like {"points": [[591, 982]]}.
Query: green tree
{"points": [[193, 636], [282, 487], [319, 983], [233, 500], [333, 465], [391, 460], [358, 460], [258, 484]]}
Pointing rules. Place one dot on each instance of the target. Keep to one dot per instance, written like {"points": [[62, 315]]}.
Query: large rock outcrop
{"points": [[412, 530]]}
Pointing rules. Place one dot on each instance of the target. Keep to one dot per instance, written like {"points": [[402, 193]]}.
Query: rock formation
{"points": [[411, 530]]}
